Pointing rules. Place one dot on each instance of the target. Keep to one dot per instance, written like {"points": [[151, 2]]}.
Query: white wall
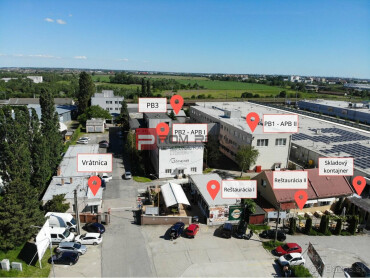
{"points": [[174, 158], [114, 108]]}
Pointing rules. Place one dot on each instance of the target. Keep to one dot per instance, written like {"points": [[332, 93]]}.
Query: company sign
{"points": [[315, 259], [235, 212], [146, 139]]}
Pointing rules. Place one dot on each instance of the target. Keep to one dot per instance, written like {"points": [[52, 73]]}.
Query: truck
{"points": [[62, 220]]}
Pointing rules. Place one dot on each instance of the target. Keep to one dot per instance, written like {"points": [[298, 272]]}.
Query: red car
{"points": [[288, 248], [192, 230]]}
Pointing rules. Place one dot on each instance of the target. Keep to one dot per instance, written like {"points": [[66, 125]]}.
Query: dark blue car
{"points": [[68, 258], [177, 230], [94, 227]]}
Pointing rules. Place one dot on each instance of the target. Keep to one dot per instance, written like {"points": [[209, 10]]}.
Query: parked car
{"points": [[226, 230], [89, 238], [103, 141], [128, 175], [360, 270], [176, 230], [59, 234], [105, 177], [71, 247], [80, 141], [288, 248], [68, 258], [103, 145], [84, 138], [94, 227], [270, 234], [192, 230], [291, 259]]}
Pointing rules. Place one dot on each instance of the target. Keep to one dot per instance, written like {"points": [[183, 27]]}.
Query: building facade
{"points": [[108, 101]]}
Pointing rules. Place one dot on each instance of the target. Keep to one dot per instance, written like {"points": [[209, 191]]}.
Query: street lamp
{"points": [[51, 252]]}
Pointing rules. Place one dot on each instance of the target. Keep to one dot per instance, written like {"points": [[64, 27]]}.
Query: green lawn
{"points": [[127, 86], [101, 77], [271, 245], [28, 270], [141, 179]]}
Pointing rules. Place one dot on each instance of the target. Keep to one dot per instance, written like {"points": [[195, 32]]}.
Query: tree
{"points": [[282, 94], [246, 156], [292, 227], [248, 208], [353, 223], [148, 90], [212, 149], [86, 90], [143, 88], [19, 210], [50, 128], [124, 116], [247, 95], [308, 227], [324, 224], [338, 227], [94, 111], [172, 115], [56, 204]]}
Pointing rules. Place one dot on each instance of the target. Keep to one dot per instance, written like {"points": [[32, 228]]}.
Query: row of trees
{"points": [[29, 155]]}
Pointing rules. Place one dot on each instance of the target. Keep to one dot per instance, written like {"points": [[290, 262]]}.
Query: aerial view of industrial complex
{"points": [[184, 138]]}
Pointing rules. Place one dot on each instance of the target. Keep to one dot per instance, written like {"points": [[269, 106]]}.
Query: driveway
{"points": [[335, 251]]}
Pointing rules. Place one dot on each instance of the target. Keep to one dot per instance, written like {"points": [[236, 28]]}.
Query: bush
{"points": [[271, 244], [300, 271], [308, 227], [324, 224], [256, 96], [246, 95], [338, 226], [312, 233], [353, 223], [255, 228], [345, 233], [292, 227]]}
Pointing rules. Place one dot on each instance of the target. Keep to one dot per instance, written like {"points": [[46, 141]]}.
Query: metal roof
{"points": [[25, 101], [173, 194], [201, 180]]}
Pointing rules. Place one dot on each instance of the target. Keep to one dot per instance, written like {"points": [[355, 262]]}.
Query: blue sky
{"points": [[330, 38]]}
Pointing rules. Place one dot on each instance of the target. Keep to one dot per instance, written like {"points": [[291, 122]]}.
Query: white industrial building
{"points": [[234, 132], [173, 159], [35, 79], [68, 180], [108, 101]]}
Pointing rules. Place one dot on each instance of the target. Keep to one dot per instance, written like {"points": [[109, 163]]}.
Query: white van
{"points": [[62, 220], [60, 235]]}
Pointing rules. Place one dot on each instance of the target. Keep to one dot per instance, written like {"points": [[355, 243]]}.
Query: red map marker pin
{"points": [[213, 187], [300, 198], [359, 187], [177, 102], [94, 183], [162, 131], [252, 123]]}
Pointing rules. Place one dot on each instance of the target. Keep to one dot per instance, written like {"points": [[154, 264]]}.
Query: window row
{"points": [[111, 102]]}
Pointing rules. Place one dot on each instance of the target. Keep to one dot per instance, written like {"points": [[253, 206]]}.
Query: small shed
{"points": [[95, 125], [68, 135]]}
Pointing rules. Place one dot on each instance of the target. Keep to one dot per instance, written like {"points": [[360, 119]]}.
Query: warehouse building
{"points": [[343, 109], [230, 124]]}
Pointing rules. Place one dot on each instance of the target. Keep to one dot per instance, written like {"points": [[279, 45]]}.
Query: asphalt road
{"points": [[124, 251]]}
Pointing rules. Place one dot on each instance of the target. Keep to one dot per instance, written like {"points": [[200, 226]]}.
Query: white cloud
{"points": [[49, 19], [60, 21], [18, 55], [80, 57], [70, 15], [124, 60], [43, 56]]}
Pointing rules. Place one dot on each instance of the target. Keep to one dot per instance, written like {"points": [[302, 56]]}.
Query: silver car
{"points": [[71, 247]]}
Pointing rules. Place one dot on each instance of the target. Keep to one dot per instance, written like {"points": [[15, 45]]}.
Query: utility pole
{"points": [[277, 223], [52, 261], [76, 211]]}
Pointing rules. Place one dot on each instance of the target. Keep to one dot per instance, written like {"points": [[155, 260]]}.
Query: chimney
{"points": [[59, 171], [70, 180], [62, 181]]}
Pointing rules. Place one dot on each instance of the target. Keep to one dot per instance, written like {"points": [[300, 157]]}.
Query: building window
{"points": [[117, 108], [108, 102], [262, 142], [120, 102], [324, 203], [168, 171], [280, 142], [193, 169], [111, 109], [116, 102], [107, 109]]}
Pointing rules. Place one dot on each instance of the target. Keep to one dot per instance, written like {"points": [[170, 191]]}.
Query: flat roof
{"points": [[68, 168], [339, 104], [201, 181], [320, 136], [157, 116]]}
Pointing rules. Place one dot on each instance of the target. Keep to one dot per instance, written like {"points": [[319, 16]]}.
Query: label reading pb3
{"points": [[152, 105]]}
